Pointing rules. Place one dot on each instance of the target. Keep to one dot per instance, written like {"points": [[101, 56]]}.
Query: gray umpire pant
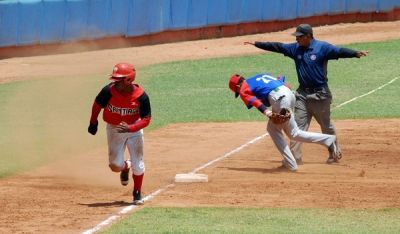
{"points": [[313, 103]]}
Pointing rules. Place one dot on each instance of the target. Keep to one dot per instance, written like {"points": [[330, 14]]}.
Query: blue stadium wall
{"points": [[53, 22]]}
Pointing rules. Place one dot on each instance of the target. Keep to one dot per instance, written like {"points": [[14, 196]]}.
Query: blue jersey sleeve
{"points": [[331, 51], [285, 49], [289, 50]]}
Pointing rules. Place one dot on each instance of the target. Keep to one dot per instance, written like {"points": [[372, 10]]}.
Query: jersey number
{"points": [[266, 79]]}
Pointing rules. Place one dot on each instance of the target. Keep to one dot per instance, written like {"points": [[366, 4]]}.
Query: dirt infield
{"points": [[368, 176], [74, 195]]}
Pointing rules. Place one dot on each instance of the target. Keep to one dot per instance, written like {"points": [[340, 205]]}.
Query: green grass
{"points": [[43, 120], [350, 78], [196, 91], [256, 220]]}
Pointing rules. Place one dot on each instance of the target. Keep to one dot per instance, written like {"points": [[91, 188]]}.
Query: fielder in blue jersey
{"points": [[265, 91], [313, 97]]}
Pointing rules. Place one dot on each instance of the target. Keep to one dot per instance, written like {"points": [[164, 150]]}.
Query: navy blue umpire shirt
{"points": [[311, 62]]}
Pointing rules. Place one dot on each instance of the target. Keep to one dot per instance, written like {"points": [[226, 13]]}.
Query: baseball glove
{"points": [[282, 117]]}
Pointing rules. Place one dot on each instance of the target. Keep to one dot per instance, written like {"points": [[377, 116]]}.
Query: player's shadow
{"points": [[107, 204]]}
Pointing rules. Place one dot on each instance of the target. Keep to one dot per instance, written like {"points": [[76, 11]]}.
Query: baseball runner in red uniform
{"points": [[126, 110]]}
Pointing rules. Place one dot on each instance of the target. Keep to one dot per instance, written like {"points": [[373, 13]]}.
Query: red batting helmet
{"points": [[234, 83], [123, 71]]}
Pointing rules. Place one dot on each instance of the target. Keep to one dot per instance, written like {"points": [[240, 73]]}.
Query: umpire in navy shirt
{"points": [[313, 97]]}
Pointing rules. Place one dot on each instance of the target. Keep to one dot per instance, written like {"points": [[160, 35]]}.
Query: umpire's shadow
{"points": [[107, 204]]}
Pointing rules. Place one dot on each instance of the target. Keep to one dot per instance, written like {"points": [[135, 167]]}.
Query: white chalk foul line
{"points": [[365, 94], [128, 209], [125, 210]]}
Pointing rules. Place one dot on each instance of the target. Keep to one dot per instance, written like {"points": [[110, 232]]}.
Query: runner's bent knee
{"points": [[116, 167]]}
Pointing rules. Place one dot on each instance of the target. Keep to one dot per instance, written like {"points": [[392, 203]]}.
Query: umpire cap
{"points": [[303, 29]]}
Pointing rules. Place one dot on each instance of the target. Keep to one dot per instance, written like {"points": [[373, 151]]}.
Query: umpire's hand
{"points": [[92, 129], [362, 54]]}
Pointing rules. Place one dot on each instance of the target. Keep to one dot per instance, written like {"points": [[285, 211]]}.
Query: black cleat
{"points": [[137, 198], [124, 177]]}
